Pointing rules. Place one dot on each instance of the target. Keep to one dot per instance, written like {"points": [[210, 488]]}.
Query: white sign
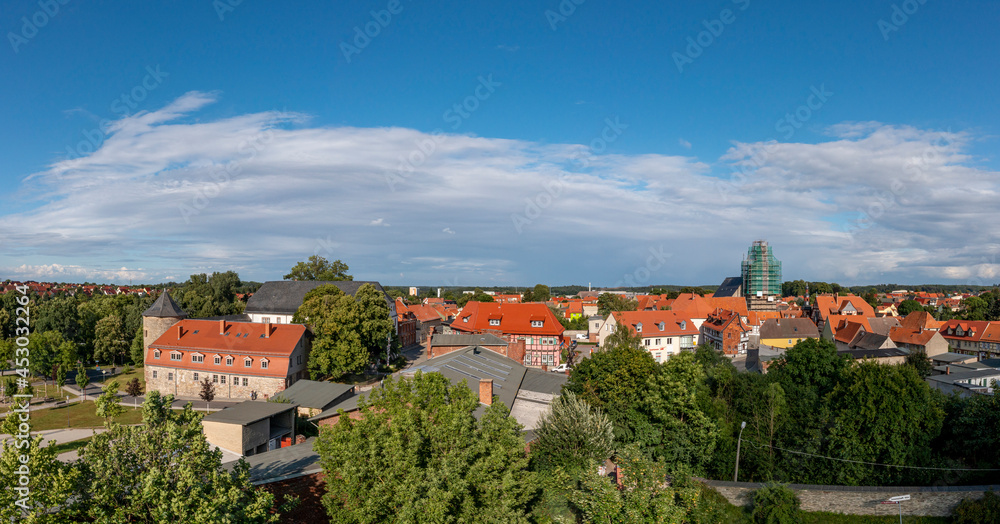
{"points": [[899, 498]]}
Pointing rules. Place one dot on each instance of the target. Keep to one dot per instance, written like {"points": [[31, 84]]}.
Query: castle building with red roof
{"points": [[531, 322]]}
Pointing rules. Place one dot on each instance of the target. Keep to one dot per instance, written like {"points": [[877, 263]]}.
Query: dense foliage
{"points": [[774, 504], [418, 454], [319, 268]]}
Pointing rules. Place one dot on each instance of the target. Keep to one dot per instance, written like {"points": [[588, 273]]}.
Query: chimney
{"points": [[430, 337], [222, 327], [486, 391], [267, 329], [180, 331], [947, 370]]}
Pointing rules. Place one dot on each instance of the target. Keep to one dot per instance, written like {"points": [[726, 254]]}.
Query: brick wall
{"points": [[930, 501]]}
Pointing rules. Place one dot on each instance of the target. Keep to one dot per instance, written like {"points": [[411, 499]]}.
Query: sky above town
{"points": [[463, 143]]}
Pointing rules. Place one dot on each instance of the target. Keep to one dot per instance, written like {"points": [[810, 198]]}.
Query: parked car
{"points": [[581, 336], [561, 368]]}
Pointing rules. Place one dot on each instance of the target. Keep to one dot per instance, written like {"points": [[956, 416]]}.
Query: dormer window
{"points": [[638, 327], [537, 323], [218, 360], [156, 353], [229, 361], [494, 321], [175, 356], [247, 362], [663, 326], [197, 358], [263, 363], [465, 320]]}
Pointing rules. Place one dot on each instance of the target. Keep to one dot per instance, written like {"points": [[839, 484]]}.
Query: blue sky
{"points": [[562, 142]]}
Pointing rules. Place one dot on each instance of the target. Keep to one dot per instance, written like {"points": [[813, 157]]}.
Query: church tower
{"points": [[156, 320]]}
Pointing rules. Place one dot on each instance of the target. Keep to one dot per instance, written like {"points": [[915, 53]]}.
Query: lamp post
{"points": [[736, 473]]}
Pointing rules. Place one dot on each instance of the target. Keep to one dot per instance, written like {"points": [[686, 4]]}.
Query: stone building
{"points": [[240, 358]]}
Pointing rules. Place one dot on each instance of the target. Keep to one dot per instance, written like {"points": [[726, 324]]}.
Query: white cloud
{"points": [[258, 192], [684, 143]]}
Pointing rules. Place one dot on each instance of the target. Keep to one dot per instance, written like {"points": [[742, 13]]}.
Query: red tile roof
{"points": [[651, 320], [831, 305], [244, 339], [515, 319]]}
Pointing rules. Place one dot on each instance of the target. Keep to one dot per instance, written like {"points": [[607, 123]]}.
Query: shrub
{"points": [[774, 504], [986, 509]]}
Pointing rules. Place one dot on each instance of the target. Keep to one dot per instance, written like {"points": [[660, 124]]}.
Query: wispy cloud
{"points": [[262, 205]]}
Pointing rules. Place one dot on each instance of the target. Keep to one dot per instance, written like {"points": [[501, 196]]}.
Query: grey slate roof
{"points": [[861, 353], [440, 339], [164, 307], [248, 412], [872, 341], [290, 461], [730, 287], [348, 404], [882, 325], [542, 382], [952, 358], [314, 394], [285, 296], [475, 363], [788, 328]]}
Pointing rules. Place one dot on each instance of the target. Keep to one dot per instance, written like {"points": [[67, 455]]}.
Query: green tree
{"points": [[908, 306], [319, 268], [335, 319], [920, 362], [622, 337], [109, 339], [885, 414], [572, 435], [426, 458], [59, 314], [51, 482], [165, 471], [615, 380], [137, 351], [44, 348], [540, 293], [775, 504], [207, 392], [9, 388], [975, 308], [375, 321], [477, 296], [82, 380], [108, 404], [608, 302], [681, 434]]}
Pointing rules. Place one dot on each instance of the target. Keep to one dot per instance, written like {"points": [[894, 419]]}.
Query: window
{"points": [[263, 363], [247, 362], [657, 342], [245, 381], [265, 319], [196, 377], [222, 379], [298, 359], [197, 358], [537, 323], [170, 376], [215, 379], [156, 353], [638, 327], [154, 373], [175, 356], [496, 322], [663, 326], [670, 341], [465, 319], [229, 361], [646, 341], [218, 360]]}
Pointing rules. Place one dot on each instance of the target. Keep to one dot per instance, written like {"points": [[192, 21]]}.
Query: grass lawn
{"points": [[70, 446], [78, 415], [124, 378]]}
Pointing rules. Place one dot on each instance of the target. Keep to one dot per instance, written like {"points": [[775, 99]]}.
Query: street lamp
{"points": [[736, 473]]}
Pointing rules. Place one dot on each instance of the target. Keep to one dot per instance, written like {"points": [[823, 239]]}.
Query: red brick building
{"points": [[725, 331]]}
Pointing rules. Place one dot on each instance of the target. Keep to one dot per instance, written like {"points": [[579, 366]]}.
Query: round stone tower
{"points": [[156, 320]]}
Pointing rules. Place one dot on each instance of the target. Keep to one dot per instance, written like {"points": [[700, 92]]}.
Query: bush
{"points": [[774, 504], [986, 509]]}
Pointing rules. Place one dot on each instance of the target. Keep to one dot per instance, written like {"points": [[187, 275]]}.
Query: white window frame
{"points": [[196, 376], [156, 355], [494, 321], [179, 356], [248, 362], [154, 373], [217, 360], [537, 323], [263, 363], [198, 358], [230, 361]]}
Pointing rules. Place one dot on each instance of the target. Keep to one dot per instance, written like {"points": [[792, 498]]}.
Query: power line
{"points": [[869, 463]]}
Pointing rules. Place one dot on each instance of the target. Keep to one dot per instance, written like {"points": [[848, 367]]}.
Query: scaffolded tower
{"points": [[761, 271]]}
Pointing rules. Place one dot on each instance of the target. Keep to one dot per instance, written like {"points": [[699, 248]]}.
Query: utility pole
{"points": [[736, 473]]}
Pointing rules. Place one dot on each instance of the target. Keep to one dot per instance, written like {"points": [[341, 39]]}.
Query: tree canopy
{"points": [[319, 268], [418, 454]]}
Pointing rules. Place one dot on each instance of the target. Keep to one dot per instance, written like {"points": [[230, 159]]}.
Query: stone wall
{"points": [[184, 385], [930, 501]]}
